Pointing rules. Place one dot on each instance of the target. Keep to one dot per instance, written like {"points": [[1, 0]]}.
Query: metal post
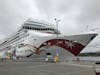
{"points": [[57, 55], [57, 21]]}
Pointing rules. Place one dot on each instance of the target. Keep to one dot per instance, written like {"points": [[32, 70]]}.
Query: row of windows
{"points": [[34, 25], [9, 41], [12, 40], [38, 28]]}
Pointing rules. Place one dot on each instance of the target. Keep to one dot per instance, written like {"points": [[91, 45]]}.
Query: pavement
{"points": [[44, 68], [97, 67]]}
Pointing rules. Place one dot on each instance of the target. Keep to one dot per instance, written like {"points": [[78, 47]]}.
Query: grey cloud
{"points": [[14, 12], [62, 9], [53, 7], [82, 12], [90, 12]]}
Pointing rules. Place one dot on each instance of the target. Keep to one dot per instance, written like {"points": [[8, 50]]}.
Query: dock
{"points": [[45, 68]]}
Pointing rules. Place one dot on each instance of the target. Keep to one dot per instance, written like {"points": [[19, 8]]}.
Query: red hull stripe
{"points": [[97, 73], [73, 47]]}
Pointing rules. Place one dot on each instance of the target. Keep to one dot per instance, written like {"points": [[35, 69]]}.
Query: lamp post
{"points": [[57, 21]]}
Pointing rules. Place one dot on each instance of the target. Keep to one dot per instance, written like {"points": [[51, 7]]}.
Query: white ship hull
{"points": [[66, 46]]}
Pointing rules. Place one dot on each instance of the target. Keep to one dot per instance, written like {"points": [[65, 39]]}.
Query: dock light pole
{"points": [[57, 21]]}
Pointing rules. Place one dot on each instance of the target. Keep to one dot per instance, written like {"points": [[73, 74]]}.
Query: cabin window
{"points": [[29, 27], [32, 28], [21, 45]]}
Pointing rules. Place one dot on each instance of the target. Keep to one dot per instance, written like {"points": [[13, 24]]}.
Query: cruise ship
{"points": [[37, 37]]}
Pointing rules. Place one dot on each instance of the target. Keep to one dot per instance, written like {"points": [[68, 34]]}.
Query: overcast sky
{"points": [[75, 16]]}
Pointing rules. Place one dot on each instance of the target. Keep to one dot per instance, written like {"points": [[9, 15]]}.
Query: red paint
{"points": [[73, 47], [97, 73]]}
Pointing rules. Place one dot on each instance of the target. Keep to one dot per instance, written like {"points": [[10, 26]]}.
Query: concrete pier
{"points": [[44, 68]]}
